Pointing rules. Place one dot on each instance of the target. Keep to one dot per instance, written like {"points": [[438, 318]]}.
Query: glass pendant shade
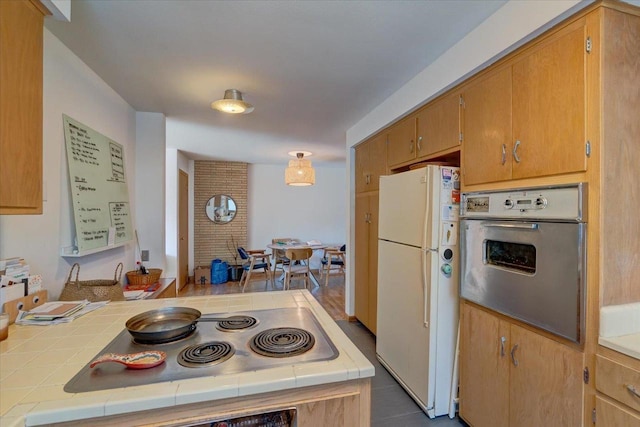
{"points": [[232, 103], [300, 172]]}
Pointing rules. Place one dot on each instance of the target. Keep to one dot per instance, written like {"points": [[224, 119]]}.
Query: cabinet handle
{"points": [[515, 151], [411, 148], [504, 154], [502, 341], [419, 143], [633, 390], [513, 355], [368, 179]]}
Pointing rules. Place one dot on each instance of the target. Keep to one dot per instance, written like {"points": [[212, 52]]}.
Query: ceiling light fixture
{"points": [[232, 103], [299, 172]]}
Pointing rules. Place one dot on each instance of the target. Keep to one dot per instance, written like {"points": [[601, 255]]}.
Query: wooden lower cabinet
{"points": [[343, 404], [618, 385], [366, 259], [612, 414], [484, 368], [511, 376]]}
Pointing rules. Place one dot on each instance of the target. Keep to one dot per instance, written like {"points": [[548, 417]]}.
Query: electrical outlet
{"points": [[144, 255]]}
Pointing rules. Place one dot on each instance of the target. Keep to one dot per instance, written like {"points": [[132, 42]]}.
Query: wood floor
{"points": [[331, 297]]}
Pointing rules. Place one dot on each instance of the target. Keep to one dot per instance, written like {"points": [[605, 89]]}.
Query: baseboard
{"points": [[352, 319]]}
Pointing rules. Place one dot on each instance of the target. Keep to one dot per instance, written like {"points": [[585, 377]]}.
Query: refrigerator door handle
{"points": [[426, 255], [426, 265], [426, 268]]}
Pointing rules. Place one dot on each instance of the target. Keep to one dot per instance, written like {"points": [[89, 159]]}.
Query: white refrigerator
{"points": [[418, 280]]}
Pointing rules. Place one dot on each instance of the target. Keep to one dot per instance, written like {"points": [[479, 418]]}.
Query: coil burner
{"points": [[205, 354], [237, 323], [282, 342]]}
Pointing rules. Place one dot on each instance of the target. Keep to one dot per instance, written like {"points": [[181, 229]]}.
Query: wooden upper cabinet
{"points": [[549, 99], [371, 163], [402, 142], [527, 118], [21, 49], [487, 129], [438, 126]]}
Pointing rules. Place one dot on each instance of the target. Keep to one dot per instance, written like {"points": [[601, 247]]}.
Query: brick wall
{"points": [[210, 239]]}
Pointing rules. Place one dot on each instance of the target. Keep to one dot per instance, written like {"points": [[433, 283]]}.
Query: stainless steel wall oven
{"points": [[523, 254]]}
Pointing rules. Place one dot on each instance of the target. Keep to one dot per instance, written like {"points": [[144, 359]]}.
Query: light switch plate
{"points": [[144, 255]]}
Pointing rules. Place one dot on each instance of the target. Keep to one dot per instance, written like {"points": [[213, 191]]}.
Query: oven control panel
{"points": [[526, 203], [567, 202]]}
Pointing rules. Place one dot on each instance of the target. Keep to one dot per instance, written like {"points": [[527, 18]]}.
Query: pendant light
{"points": [[232, 103], [299, 172]]}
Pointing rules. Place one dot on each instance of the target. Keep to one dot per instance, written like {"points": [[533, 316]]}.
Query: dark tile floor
{"points": [[390, 404]]}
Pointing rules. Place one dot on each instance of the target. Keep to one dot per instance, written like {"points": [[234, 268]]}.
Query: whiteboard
{"points": [[98, 188]]}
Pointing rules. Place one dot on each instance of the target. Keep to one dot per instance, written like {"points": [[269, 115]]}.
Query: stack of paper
{"points": [[55, 312], [133, 295]]}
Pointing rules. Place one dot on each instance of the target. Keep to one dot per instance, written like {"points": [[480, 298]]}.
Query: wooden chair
{"points": [[279, 256], [298, 266], [255, 260], [333, 257]]}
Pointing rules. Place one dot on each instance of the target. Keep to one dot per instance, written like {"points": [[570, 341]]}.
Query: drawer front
{"points": [[618, 381], [609, 414]]}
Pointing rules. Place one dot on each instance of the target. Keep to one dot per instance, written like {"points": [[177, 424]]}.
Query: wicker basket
{"points": [[137, 279], [92, 290]]}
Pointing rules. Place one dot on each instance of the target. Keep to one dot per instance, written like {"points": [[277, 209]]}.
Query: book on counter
{"points": [[53, 310]]}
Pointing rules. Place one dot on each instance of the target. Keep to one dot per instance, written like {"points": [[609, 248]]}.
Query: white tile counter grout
{"points": [[37, 361]]}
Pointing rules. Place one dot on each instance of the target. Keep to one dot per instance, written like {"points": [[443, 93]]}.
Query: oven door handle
{"points": [[533, 226]]}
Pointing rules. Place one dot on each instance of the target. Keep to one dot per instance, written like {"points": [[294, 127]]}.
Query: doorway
{"points": [[183, 229]]}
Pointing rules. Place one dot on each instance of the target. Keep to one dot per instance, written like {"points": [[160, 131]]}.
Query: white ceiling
{"points": [[312, 69]]}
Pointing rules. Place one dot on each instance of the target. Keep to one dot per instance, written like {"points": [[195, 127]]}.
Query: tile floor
{"points": [[390, 404]]}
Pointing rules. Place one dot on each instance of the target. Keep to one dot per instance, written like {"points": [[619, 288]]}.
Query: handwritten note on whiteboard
{"points": [[98, 187]]}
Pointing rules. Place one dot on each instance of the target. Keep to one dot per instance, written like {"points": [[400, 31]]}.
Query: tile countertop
{"points": [[620, 328], [37, 361]]}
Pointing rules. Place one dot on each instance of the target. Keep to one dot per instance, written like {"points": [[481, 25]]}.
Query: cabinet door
{"points": [[546, 385], [549, 107], [484, 368], [371, 163], [362, 163], [487, 137], [609, 414], [21, 26], [373, 262], [377, 161], [402, 142], [361, 257], [438, 126]]}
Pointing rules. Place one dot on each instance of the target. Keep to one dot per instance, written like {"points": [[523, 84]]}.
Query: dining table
{"points": [[297, 245]]}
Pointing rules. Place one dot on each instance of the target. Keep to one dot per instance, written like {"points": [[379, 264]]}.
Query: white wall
{"points": [[70, 87], [512, 25], [150, 183], [275, 209]]}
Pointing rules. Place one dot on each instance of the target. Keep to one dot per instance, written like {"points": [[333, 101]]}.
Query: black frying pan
{"points": [[165, 324]]}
